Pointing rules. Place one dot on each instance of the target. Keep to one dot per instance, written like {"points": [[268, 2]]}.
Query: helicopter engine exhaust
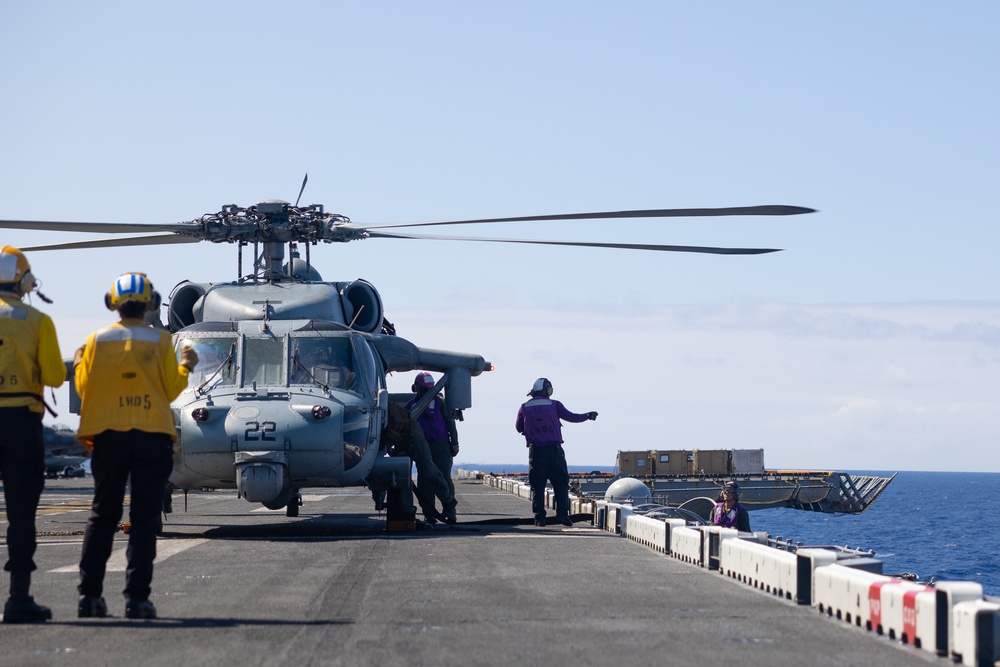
{"points": [[181, 311], [362, 306]]}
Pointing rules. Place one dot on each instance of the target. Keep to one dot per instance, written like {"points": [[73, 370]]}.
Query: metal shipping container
{"points": [[671, 462], [711, 461], [634, 463], [750, 461]]}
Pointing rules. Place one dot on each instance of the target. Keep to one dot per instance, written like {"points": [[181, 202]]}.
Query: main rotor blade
{"points": [[114, 243], [95, 227], [770, 209], [624, 246]]}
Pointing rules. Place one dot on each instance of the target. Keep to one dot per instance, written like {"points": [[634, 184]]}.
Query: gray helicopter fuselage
{"points": [[280, 402], [255, 418]]}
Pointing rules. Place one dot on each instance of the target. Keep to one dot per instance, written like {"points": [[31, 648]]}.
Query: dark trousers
{"points": [[148, 459], [22, 468], [548, 463], [443, 460]]}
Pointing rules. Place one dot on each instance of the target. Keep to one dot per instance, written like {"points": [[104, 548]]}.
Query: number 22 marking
{"points": [[260, 431]]}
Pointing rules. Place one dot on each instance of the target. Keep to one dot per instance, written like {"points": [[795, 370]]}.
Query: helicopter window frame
{"points": [[368, 362], [268, 367], [338, 370], [210, 366]]}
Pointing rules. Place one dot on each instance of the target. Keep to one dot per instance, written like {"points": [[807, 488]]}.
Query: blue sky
{"points": [[871, 342]]}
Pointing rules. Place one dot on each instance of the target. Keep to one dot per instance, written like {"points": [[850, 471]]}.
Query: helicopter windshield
{"points": [[216, 360], [324, 361], [263, 361]]}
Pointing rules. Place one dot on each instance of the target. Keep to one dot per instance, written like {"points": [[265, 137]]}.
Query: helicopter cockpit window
{"points": [[322, 361], [263, 361], [368, 364], [216, 361]]}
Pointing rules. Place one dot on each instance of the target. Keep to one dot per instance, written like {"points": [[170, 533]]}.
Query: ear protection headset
{"points": [[15, 271], [541, 386], [132, 287]]}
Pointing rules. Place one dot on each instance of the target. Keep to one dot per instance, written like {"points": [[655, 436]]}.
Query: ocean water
{"points": [[936, 525]]}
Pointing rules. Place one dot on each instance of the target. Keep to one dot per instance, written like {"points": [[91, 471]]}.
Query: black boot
{"points": [[448, 514], [20, 607], [140, 609], [91, 606]]}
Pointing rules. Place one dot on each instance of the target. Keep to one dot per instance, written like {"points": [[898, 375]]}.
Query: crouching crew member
{"points": [[127, 374], [29, 361], [439, 430], [404, 437], [539, 421]]}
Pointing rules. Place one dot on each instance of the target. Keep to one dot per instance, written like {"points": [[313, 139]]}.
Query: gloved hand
{"points": [[592, 416], [78, 356], [454, 449], [189, 357]]}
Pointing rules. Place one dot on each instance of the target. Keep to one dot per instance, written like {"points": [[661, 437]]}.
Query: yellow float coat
{"points": [[29, 354], [126, 380]]}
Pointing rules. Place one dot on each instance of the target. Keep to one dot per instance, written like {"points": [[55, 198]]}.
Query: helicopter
{"points": [[290, 390]]}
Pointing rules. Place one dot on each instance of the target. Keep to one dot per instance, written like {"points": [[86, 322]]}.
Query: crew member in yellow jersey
{"points": [[29, 360], [126, 375]]}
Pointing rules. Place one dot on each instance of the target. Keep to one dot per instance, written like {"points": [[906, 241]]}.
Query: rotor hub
{"points": [[276, 221]]}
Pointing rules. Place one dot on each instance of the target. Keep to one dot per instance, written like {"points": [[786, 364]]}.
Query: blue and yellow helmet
{"points": [[132, 287]]}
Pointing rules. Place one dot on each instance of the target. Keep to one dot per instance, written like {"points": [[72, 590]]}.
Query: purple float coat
{"points": [[538, 420], [737, 517], [434, 421]]}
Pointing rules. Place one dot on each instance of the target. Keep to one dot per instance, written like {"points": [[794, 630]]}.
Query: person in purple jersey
{"points": [[728, 512], [538, 420]]}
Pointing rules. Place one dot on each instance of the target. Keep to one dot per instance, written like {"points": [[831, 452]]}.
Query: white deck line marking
{"points": [[306, 498], [164, 550]]}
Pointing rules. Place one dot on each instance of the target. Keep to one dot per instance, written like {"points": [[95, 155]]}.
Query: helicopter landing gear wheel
{"points": [[292, 509]]}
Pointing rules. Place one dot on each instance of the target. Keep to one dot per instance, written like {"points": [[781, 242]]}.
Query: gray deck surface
{"points": [[235, 586]]}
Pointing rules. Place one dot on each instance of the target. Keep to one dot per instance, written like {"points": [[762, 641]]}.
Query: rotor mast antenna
{"points": [[302, 189]]}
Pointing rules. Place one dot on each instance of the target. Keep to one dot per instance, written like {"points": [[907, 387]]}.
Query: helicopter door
{"points": [[263, 362]]}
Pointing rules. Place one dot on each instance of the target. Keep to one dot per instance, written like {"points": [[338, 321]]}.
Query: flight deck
{"points": [[234, 585]]}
